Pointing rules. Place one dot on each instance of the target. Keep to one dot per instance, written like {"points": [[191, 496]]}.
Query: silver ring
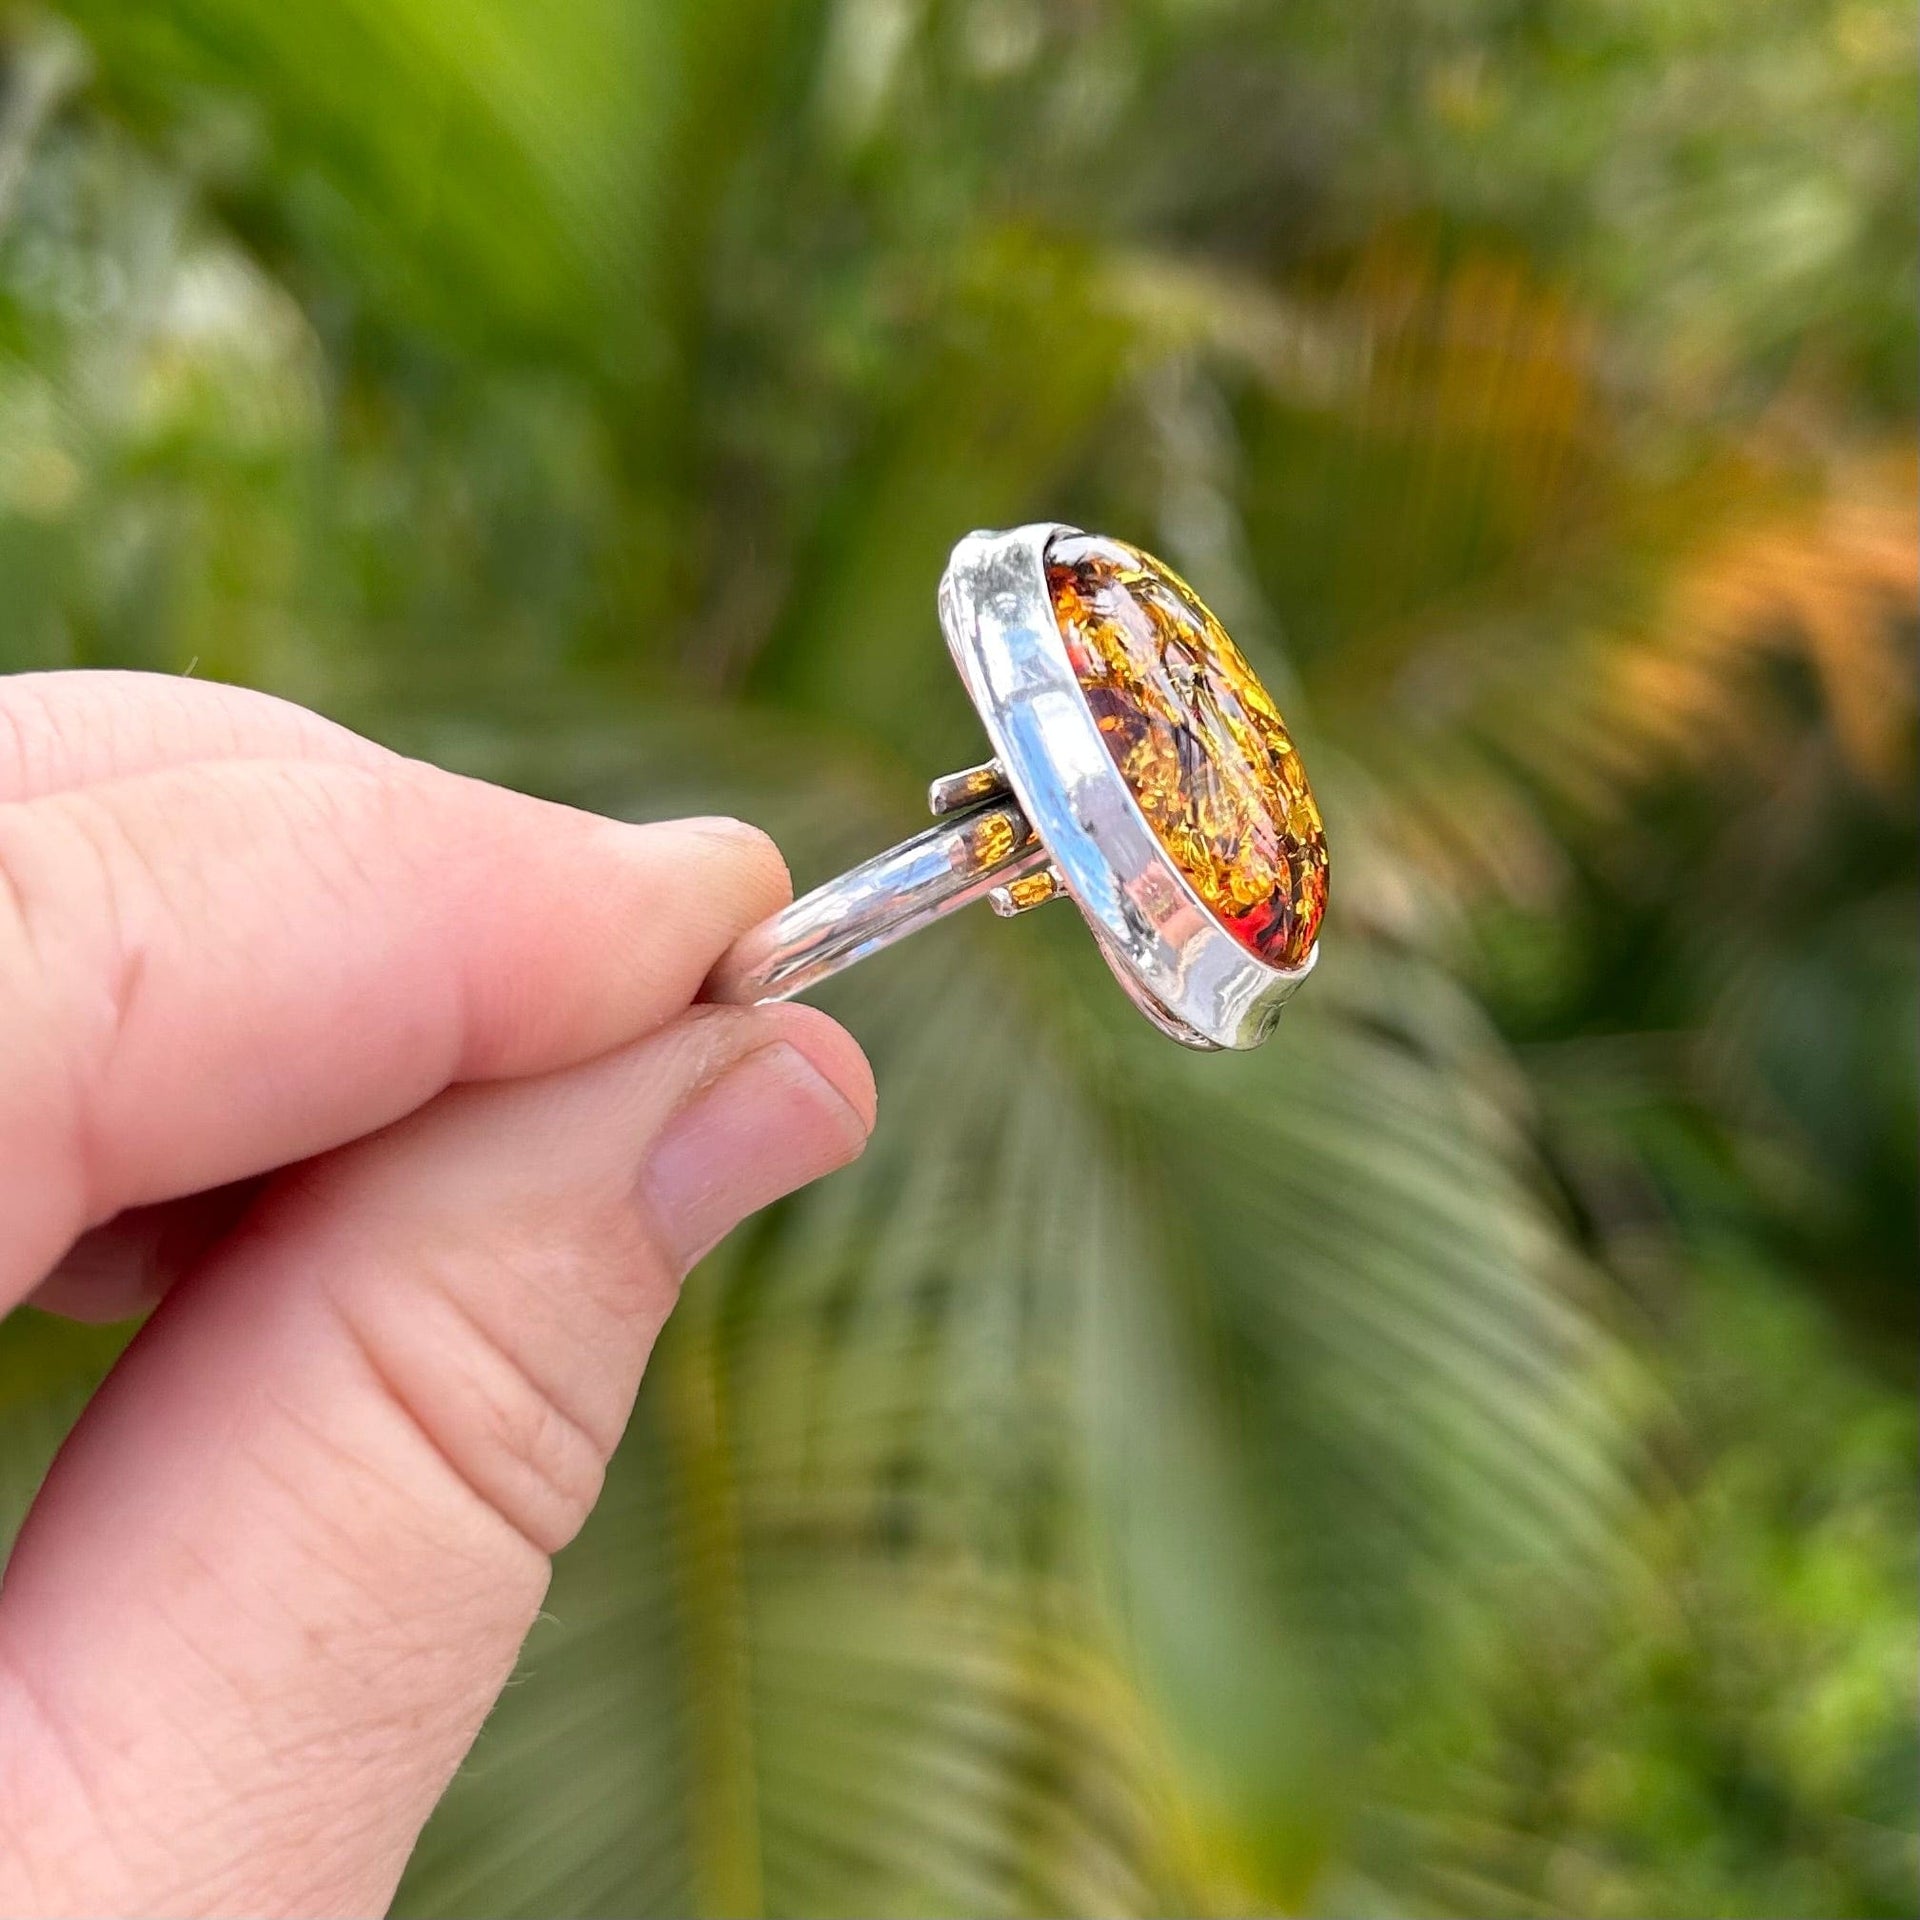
{"points": [[1103, 676]]}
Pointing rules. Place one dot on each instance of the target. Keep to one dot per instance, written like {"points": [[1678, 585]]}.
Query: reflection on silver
{"points": [[882, 900], [953, 792], [1069, 810]]}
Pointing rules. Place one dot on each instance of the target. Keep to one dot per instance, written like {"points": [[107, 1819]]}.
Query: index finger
{"points": [[73, 729], [212, 970]]}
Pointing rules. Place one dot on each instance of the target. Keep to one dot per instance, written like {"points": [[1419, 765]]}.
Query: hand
{"points": [[387, 1085]]}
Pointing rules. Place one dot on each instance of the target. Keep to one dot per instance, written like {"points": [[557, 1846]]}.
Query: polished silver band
{"points": [[973, 853]]}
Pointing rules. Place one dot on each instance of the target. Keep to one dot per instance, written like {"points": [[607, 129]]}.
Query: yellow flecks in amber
{"points": [[1198, 740], [1032, 889], [992, 838]]}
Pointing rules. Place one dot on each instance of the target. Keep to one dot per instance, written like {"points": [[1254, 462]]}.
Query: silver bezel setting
{"points": [[1177, 962]]}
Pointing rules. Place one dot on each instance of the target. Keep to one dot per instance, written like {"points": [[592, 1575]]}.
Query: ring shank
{"points": [[882, 900]]}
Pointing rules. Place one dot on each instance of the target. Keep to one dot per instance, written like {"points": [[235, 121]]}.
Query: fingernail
{"points": [[770, 1123]]}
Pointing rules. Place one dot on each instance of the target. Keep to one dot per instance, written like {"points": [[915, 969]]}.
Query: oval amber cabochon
{"points": [[1197, 739]]}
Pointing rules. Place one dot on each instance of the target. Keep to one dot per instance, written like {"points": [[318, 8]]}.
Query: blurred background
{"points": [[1459, 1460]]}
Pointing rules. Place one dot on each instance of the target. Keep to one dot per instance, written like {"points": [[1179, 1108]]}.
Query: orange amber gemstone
{"points": [[1198, 740]]}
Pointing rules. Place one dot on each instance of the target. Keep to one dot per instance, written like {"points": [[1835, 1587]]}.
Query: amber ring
{"points": [[1139, 769]]}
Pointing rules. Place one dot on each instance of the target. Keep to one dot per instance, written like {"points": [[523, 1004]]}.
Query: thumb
{"points": [[283, 1567]]}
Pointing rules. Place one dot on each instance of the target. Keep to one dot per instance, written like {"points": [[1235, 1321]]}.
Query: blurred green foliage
{"points": [[1457, 1461]]}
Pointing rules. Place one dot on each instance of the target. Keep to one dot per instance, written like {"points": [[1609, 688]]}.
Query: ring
{"points": [[1139, 769]]}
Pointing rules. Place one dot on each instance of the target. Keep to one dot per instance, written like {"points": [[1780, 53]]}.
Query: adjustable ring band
{"points": [[880, 901]]}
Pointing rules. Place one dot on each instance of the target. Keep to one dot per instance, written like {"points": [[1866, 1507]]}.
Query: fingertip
{"points": [[788, 1099], [831, 1051], [585, 932], [755, 866]]}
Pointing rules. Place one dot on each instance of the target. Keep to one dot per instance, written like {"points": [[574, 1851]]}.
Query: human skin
{"points": [[388, 1087]]}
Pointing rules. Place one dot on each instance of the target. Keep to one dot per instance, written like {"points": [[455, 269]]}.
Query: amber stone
{"points": [[1198, 740]]}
